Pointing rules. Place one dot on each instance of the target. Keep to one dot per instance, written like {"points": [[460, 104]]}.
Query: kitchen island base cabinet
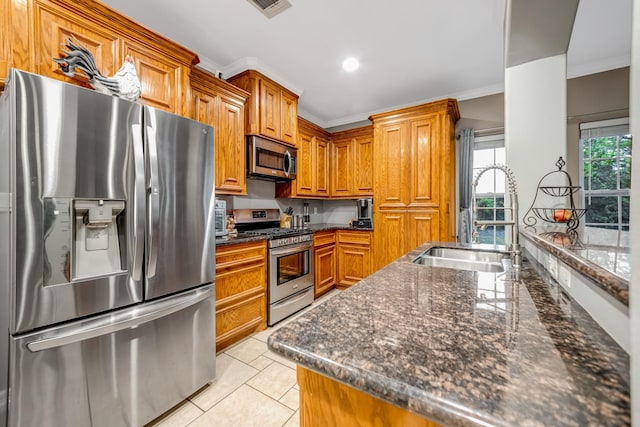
{"points": [[326, 402], [241, 291]]}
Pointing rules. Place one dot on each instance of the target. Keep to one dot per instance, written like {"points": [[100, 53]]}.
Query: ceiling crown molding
{"points": [[253, 63]]}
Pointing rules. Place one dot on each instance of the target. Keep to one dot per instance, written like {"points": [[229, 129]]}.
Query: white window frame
{"points": [[485, 143], [593, 130]]}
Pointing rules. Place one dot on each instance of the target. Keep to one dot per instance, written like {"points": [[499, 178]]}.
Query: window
{"points": [[491, 187], [605, 148]]}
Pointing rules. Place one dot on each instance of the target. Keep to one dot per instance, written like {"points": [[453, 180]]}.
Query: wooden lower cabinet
{"points": [[354, 256], [241, 291], [400, 231], [326, 402], [325, 257], [389, 236]]}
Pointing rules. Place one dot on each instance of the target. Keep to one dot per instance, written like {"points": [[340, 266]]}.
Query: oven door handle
{"points": [[288, 250]]}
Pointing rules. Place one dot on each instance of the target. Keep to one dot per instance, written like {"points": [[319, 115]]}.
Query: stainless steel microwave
{"points": [[270, 159]]}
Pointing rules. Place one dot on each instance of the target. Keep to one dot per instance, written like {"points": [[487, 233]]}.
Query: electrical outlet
{"points": [[564, 275], [553, 266]]}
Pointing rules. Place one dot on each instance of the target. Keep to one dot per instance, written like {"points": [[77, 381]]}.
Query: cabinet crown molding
{"points": [[448, 104]]}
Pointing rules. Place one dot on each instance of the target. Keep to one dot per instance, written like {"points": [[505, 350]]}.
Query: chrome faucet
{"points": [[514, 247]]}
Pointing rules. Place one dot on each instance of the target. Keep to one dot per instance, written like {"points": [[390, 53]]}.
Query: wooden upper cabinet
{"points": [[55, 26], [160, 78], [363, 159], [304, 175], [221, 105], [425, 162], [321, 166], [390, 165], [352, 163], [289, 115], [39, 28], [342, 168], [312, 174], [271, 110]]}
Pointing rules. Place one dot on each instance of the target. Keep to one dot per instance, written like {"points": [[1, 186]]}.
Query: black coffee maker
{"points": [[365, 214]]}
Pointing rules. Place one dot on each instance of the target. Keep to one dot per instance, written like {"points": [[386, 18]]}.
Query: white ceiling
{"points": [[411, 51]]}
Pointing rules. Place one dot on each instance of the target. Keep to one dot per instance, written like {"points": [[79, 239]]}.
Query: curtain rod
{"points": [[489, 131], [485, 132]]}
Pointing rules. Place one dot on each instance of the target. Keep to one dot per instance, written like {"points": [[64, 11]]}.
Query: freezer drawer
{"points": [[124, 368]]}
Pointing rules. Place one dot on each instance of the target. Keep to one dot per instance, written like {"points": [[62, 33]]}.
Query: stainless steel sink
{"points": [[464, 259]]}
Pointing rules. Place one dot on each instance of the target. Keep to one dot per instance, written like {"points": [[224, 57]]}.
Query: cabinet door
{"points": [[241, 291], [424, 226], [424, 161], [305, 167], [270, 114], [55, 26], [204, 107], [231, 159], [354, 263], [390, 166], [389, 237], [342, 166], [325, 269], [321, 178], [363, 164], [289, 115], [160, 78]]}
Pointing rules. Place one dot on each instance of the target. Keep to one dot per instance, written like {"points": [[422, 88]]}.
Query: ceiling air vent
{"points": [[270, 8]]}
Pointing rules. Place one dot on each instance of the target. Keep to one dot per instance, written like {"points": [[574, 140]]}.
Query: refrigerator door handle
{"points": [[106, 326], [138, 203], [154, 202]]}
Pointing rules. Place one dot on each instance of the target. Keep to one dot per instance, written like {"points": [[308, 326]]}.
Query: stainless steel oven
{"points": [[290, 276], [291, 273]]}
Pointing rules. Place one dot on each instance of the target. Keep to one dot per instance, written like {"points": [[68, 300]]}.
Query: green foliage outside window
{"points": [[607, 179]]}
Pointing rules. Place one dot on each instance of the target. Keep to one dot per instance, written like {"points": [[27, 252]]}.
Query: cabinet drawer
{"points": [[240, 319], [354, 237], [229, 256], [324, 238]]}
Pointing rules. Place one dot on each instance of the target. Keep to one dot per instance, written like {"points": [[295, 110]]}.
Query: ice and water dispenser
{"points": [[83, 238]]}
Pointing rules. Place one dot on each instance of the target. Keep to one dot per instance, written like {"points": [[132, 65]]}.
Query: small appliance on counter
{"points": [[365, 214], [221, 218]]}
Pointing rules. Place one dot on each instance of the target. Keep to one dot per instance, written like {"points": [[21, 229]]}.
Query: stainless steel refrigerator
{"points": [[107, 257]]}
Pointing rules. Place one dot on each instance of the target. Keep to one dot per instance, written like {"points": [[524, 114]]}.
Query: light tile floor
{"points": [[253, 387]]}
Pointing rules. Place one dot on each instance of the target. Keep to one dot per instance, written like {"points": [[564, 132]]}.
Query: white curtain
{"points": [[464, 153]]}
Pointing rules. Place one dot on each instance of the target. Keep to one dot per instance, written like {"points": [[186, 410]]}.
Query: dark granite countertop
{"points": [[238, 238], [465, 348], [331, 227], [599, 256], [245, 238]]}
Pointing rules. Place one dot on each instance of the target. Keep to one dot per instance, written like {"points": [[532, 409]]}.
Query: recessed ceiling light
{"points": [[350, 64]]}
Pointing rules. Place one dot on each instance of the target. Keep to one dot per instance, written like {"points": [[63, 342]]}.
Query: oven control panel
{"points": [[291, 240]]}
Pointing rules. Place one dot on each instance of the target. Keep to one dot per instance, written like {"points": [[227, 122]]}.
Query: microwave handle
{"points": [[287, 163]]}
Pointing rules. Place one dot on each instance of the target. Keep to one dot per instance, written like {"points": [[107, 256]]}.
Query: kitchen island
{"points": [[456, 348]]}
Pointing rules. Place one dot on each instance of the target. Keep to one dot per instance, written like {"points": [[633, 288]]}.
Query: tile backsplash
{"points": [[260, 195]]}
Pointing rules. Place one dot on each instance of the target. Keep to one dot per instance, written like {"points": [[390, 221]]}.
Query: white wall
{"points": [[634, 294], [535, 121]]}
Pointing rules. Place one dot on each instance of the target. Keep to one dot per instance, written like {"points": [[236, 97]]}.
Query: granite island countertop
{"points": [[465, 348]]}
